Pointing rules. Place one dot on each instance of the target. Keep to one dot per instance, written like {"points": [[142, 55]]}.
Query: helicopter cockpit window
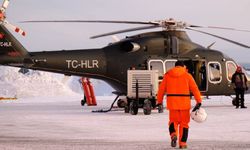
{"points": [[214, 69], [156, 65], [231, 67]]}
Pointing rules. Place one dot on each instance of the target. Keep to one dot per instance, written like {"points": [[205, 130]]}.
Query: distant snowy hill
{"points": [[40, 83]]}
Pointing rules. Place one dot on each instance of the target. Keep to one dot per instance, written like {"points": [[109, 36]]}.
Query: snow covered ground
{"points": [[61, 123], [47, 115]]}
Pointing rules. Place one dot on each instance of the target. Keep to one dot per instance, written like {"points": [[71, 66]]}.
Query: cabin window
{"points": [[231, 67], [169, 64], [214, 69], [156, 65]]}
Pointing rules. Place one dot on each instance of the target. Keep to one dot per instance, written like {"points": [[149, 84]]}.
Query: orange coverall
{"points": [[177, 84]]}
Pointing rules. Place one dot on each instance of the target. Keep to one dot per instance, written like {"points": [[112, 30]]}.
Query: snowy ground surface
{"points": [[60, 123]]}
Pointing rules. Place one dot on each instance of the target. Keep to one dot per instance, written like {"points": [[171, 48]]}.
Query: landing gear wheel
{"points": [[147, 107], [160, 109], [83, 101], [121, 103], [234, 101], [133, 108]]}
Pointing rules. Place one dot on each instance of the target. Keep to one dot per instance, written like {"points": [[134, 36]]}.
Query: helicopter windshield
{"points": [[231, 68], [246, 73]]}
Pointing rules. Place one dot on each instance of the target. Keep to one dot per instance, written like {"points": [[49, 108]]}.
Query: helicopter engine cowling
{"points": [[130, 46]]}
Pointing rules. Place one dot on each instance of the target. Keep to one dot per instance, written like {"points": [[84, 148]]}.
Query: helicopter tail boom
{"points": [[12, 52]]}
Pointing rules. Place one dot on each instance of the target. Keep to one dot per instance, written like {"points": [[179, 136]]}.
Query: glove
{"points": [[157, 105], [196, 107]]}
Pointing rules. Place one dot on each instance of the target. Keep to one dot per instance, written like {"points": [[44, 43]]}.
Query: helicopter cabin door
{"points": [[198, 69]]}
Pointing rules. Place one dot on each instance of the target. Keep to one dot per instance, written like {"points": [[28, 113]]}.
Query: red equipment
{"points": [[88, 91]]}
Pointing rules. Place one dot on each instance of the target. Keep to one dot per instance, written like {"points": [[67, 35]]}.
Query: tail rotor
{"points": [[4, 22], [5, 5]]}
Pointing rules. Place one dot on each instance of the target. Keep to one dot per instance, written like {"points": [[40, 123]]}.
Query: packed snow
{"points": [[57, 123], [39, 83], [53, 119]]}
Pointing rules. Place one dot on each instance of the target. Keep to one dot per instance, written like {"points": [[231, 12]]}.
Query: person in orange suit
{"points": [[177, 84]]}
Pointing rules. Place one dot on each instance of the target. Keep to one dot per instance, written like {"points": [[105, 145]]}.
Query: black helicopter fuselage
{"points": [[147, 51], [112, 62], [109, 63]]}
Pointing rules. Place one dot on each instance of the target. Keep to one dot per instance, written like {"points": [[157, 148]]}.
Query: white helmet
{"points": [[199, 115]]}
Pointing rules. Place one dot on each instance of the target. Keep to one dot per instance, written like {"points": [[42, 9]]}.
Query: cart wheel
{"points": [[147, 106], [234, 101], [160, 109], [126, 109], [133, 108]]}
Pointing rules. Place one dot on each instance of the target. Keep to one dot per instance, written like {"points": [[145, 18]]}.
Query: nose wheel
{"points": [[234, 101]]}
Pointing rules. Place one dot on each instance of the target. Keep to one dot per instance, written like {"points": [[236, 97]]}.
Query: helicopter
{"points": [[157, 50]]}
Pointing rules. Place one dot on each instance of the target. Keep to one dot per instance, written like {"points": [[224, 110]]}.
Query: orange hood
{"points": [[177, 71]]}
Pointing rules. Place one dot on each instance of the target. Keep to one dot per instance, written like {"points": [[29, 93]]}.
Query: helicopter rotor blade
{"points": [[228, 40], [14, 28], [125, 30], [167, 24], [153, 25], [90, 21], [223, 28]]}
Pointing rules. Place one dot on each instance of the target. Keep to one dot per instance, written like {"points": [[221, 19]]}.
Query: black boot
{"points": [[237, 102], [173, 136], [243, 106], [174, 141], [242, 103]]}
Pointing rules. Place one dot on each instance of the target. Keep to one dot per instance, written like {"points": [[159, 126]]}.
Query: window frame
{"points": [[209, 72], [227, 68], [168, 60], [156, 60]]}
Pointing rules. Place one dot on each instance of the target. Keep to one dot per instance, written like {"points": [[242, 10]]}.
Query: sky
{"points": [[58, 36]]}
